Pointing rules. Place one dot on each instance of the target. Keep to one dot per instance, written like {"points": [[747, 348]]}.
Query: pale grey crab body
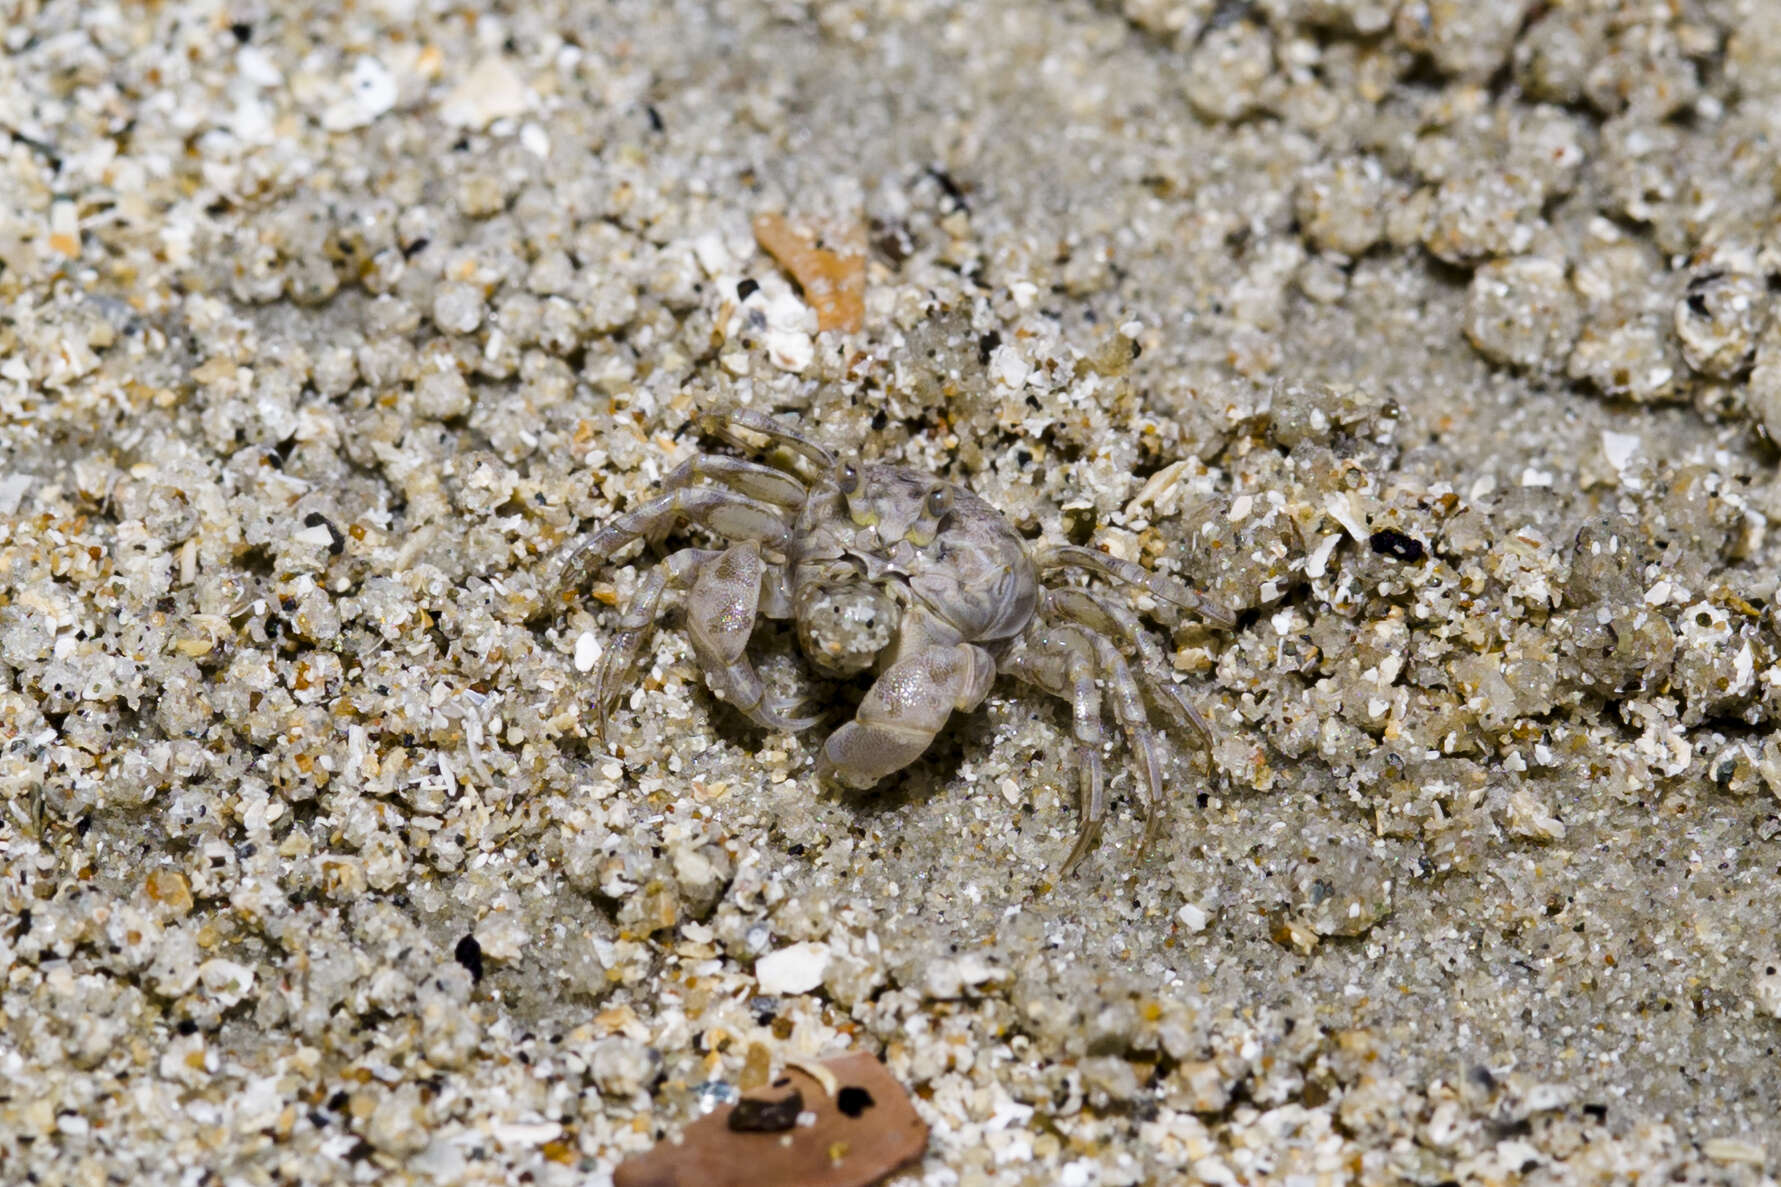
{"points": [[918, 579]]}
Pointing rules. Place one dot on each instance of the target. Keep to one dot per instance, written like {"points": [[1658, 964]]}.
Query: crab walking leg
{"points": [[620, 656], [1167, 589], [744, 477], [1060, 660], [720, 613], [904, 709], [1181, 711], [1141, 739], [724, 512], [1105, 616], [723, 425]]}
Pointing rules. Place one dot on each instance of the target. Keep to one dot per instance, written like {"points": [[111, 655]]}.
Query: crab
{"points": [[917, 579]]}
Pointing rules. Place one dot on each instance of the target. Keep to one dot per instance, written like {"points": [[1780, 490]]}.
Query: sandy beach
{"points": [[1435, 341]]}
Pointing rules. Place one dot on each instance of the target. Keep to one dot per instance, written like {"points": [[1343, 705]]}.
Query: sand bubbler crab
{"points": [[916, 578]]}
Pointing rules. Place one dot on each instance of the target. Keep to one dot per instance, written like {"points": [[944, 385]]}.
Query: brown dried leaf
{"points": [[834, 282], [864, 1132]]}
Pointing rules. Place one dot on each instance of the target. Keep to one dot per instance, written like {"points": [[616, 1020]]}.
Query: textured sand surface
{"points": [[1435, 339]]}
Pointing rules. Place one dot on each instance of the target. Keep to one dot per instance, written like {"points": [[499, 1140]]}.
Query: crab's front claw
{"points": [[903, 710], [720, 616], [778, 713]]}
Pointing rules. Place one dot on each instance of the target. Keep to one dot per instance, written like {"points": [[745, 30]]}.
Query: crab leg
{"points": [[724, 512], [1167, 589], [1108, 617], [1141, 739], [1061, 661], [723, 425], [620, 656], [1181, 711], [745, 477], [725, 595]]}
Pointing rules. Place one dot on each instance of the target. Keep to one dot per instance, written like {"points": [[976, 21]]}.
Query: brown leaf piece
{"points": [[864, 1132], [834, 281]]}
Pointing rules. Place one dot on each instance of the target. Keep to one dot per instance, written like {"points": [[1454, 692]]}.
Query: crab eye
{"points": [[939, 501], [848, 479]]}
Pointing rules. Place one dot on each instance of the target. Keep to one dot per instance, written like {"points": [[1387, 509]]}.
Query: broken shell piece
{"points": [[819, 1072], [865, 1128]]}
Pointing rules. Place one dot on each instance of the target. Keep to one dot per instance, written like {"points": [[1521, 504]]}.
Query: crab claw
{"points": [[772, 714], [903, 710]]}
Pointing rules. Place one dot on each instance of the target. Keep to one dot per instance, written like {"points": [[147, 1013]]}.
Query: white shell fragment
{"points": [[370, 91], [587, 651], [491, 91], [796, 968]]}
